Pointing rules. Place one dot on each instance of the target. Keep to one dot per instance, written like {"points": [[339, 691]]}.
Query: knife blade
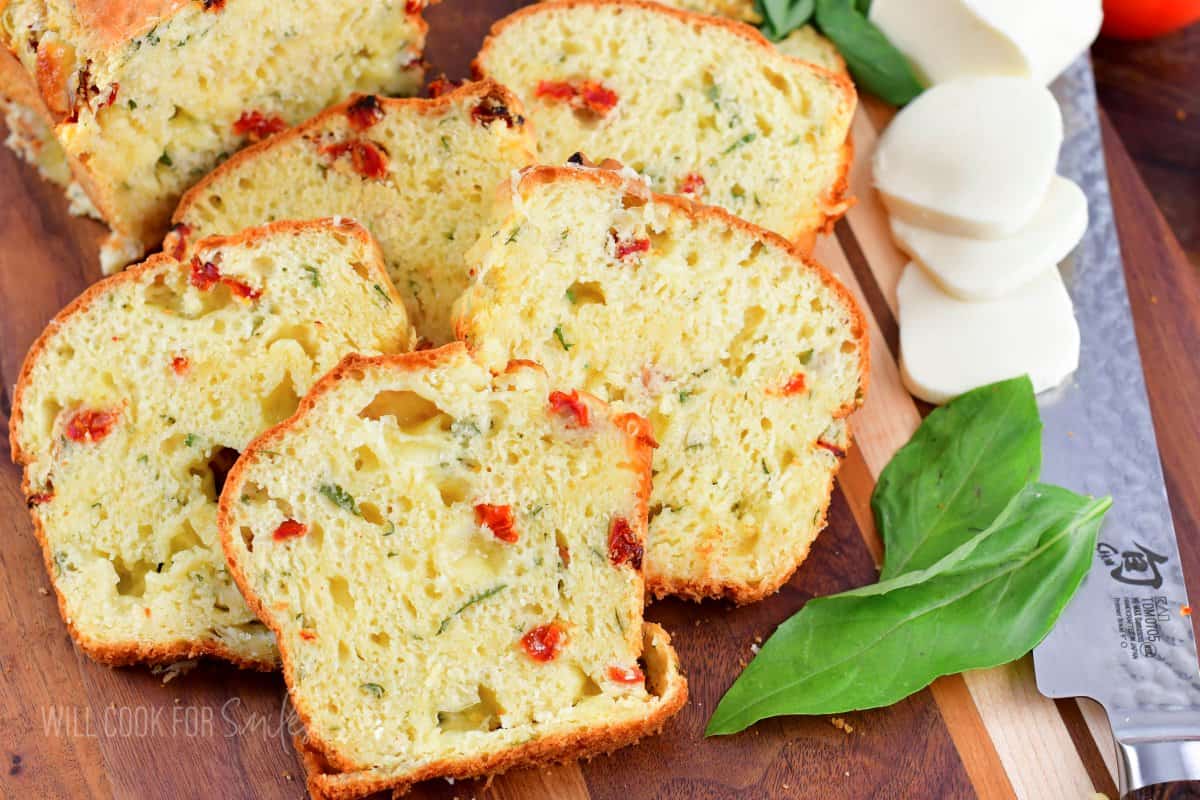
{"points": [[1126, 639]]}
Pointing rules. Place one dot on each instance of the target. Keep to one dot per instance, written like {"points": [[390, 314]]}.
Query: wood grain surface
{"points": [[72, 729]]}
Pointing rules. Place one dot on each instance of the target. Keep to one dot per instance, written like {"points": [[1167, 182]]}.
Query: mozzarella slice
{"points": [[949, 346], [973, 157], [950, 39], [985, 269]]}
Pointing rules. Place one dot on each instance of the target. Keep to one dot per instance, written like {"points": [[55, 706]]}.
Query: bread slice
{"points": [[149, 95], [134, 402], [441, 161], [451, 562], [744, 357], [31, 132], [698, 105]]}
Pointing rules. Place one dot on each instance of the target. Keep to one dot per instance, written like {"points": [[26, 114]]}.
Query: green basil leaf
{"points": [[781, 17], [875, 63], [987, 603], [863, 7], [964, 464]]}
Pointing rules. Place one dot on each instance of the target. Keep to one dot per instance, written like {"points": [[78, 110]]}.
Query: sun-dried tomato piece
{"points": [[205, 274], [623, 545], [180, 365], [492, 108], [368, 158], [256, 125], [364, 112], [590, 96], [113, 91], [692, 183], [441, 85], [39, 498], [544, 642], [795, 385], [564, 555], [213, 5], [571, 407], [618, 674], [413, 6], [628, 247], [499, 519], [242, 290], [308, 635], [289, 529], [89, 425], [178, 240], [833, 448]]}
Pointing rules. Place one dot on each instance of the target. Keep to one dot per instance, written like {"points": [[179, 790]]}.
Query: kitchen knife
{"points": [[1126, 638]]}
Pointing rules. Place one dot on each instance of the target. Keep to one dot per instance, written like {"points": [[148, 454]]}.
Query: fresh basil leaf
{"points": [[987, 603], [964, 464], [875, 63], [781, 17], [863, 6]]}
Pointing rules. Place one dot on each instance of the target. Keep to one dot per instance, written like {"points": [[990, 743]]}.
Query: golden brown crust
{"points": [[833, 203], [320, 758], [326, 784], [113, 22], [125, 653], [176, 240]]}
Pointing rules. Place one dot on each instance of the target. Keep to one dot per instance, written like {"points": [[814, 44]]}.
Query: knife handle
{"points": [[1179, 790], [1158, 769]]}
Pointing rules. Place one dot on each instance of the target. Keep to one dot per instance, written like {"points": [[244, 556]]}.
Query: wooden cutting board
{"points": [[72, 729]]}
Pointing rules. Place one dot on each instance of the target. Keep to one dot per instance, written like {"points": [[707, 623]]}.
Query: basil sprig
{"points": [[982, 589], [876, 64]]}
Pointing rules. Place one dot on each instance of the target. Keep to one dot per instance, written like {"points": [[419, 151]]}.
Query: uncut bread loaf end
{"points": [[745, 358], [419, 174], [699, 106], [451, 560], [136, 400], [147, 96]]}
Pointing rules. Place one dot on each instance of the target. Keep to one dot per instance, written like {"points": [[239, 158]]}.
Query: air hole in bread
{"points": [[221, 461], [339, 590], [253, 492], [316, 535], [764, 126], [282, 401], [302, 335], [778, 81], [247, 538], [370, 512], [482, 715], [361, 270], [453, 490], [381, 639], [413, 413], [131, 579], [564, 550], [587, 687], [186, 539], [582, 293], [849, 347], [365, 459]]}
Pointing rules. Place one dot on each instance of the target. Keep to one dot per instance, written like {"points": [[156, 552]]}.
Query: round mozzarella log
{"points": [[950, 39], [973, 157], [986, 269], [949, 346]]}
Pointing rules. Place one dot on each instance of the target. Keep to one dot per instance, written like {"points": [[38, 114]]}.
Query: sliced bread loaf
{"points": [[698, 105], [744, 357], [149, 95], [451, 562], [136, 400], [418, 173]]}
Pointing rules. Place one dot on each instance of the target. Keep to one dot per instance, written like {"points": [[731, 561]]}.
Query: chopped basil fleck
{"points": [[484, 595], [558, 334], [806, 356], [339, 497], [383, 294], [373, 689], [314, 276], [745, 140]]}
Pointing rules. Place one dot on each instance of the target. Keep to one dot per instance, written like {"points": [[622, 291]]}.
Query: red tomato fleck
{"points": [[629, 247], [492, 108], [39, 498], [564, 555], [368, 158], [625, 674], [147, 610], [692, 183], [308, 635], [1186, 611], [592, 96], [364, 112], [543, 642], [213, 5], [499, 519], [795, 385], [112, 95], [289, 529], [833, 448], [179, 240], [441, 85], [180, 365], [242, 290], [623, 545], [256, 125], [205, 274], [570, 406], [413, 6], [90, 426]]}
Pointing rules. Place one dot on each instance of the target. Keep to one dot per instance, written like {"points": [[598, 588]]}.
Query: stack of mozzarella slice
{"points": [[967, 172]]}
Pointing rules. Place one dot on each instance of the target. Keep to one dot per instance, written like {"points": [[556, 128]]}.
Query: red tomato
{"points": [[1144, 19]]}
